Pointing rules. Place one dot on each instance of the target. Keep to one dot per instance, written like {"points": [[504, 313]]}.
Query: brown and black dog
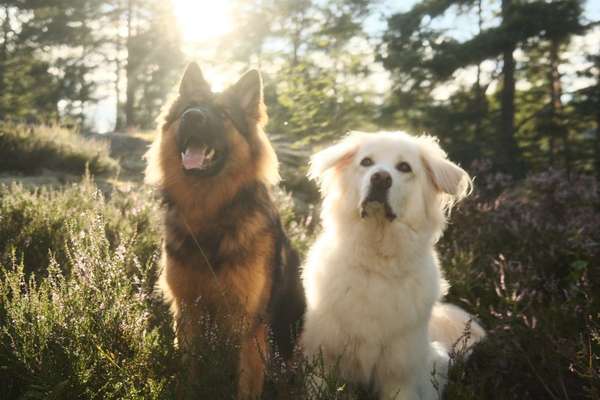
{"points": [[224, 245]]}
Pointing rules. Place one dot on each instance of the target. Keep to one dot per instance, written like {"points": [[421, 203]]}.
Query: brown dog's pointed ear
{"points": [[248, 93], [193, 82]]}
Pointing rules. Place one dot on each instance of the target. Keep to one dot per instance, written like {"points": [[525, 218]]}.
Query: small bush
{"points": [[525, 257], [29, 149], [36, 225], [79, 317], [89, 325]]}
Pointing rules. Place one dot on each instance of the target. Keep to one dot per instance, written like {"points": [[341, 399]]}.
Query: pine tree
{"points": [[320, 96], [422, 57], [153, 58]]}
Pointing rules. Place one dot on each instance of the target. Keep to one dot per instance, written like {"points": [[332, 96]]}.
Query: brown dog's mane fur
{"points": [[224, 244], [203, 199]]}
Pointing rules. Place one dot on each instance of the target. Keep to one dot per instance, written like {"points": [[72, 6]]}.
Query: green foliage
{"points": [[79, 314], [300, 226], [37, 225], [523, 258], [517, 129], [30, 30], [27, 89], [87, 324], [311, 106], [413, 45], [154, 58], [315, 89], [33, 148], [52, 52], [79, 317]]}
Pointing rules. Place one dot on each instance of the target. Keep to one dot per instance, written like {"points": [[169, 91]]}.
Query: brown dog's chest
{"points": [[228, 259], [213, 250]]}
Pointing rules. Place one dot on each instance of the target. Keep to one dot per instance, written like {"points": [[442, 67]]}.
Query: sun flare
{"points": [[201, 21]]}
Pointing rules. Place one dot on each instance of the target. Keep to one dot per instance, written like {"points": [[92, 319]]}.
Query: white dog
{"points": [[372, 278]]}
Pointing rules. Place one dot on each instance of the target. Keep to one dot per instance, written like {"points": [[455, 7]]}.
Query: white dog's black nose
{"points": [[381, 180]]}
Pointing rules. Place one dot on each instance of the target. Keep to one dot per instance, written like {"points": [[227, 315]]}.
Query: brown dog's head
{"points": [[213, 139]]}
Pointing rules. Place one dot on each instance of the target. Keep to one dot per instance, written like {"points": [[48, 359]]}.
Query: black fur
{"points": [[287, 302]]}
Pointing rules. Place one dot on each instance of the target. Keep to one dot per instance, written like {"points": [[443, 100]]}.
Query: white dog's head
{"points": [[389, 176]]}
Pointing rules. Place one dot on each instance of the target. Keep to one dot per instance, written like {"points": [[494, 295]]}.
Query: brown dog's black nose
{"points": [[194, 117], [381, 180]]}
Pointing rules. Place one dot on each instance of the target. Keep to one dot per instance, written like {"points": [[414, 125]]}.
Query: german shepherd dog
{"points": [[225, 250]]}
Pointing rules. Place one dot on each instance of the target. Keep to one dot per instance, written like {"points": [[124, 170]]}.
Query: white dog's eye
{"points": [[366, 162], [403, 167]]}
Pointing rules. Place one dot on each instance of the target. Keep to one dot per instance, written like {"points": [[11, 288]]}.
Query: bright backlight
{"points": [[202, 20]]}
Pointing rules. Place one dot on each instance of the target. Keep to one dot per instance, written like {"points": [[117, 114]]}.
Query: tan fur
{"points": [[252, 363], [241, 287]]}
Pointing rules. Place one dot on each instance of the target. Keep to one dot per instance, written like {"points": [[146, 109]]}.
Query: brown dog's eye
{"points": [[366, 162], [403, 167]]}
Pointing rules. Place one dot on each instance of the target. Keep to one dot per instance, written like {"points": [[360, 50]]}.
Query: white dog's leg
{"points": [[395, 392], [437, 378], [402, 368], [409, 377]]}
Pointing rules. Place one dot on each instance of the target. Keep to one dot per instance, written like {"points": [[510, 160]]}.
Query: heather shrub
{"points": [[300, 226], [30, 149], [96, 331], [36, 225], [79, 316], [524, 257]]}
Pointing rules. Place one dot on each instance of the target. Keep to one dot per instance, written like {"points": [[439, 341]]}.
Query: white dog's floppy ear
{"points": [[445, 176], [337, 155]]}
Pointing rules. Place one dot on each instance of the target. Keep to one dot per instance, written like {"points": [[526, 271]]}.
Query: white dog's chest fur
{"points": [[364, 304], [372, 279]]}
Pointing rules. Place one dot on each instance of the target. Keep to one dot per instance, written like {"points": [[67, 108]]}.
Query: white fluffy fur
{"points": [[372, 285]]}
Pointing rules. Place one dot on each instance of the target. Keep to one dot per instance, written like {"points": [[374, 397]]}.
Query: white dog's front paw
{"points": [[400, 393], [438, 372]]}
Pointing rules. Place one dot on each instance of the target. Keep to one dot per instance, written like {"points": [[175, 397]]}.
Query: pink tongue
{"points": [[193, 158]]}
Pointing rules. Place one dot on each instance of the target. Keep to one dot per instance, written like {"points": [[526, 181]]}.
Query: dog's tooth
{"points": [[210, 154]]}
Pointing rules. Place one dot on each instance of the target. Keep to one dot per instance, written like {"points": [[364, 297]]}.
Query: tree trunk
{"points": [[130, 71], [117, 20], [118, 118], [597, 160], [480, 99], [556, 106], [4, 53], [597, 155], [509, 158], [295, 47]]}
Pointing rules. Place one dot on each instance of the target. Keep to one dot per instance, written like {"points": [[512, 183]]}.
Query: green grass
{"points": [[524, 256], [29, 149], [79, 316]]}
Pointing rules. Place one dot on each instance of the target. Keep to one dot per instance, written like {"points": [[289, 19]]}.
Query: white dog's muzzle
{"points": [[377, 195]]}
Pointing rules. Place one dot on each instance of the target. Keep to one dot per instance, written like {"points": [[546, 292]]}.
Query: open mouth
{"points": [[376, 203], [200, 158]]}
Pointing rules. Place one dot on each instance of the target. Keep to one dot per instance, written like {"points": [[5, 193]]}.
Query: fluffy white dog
{"points": [[372, 278]]}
